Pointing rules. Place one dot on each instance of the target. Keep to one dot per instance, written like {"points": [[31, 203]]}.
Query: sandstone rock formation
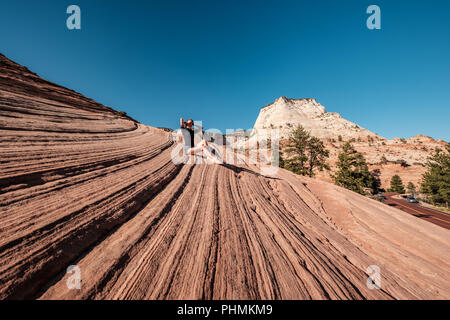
{"points": [[285, 114], [81, 184]]}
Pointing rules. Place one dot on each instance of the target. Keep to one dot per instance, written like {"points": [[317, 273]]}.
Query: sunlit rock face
{"points": [[286, 114]]}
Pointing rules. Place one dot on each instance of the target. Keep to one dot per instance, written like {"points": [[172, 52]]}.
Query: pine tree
{"points": [[280, 160], [298, 142], [317, 155], [436, 181], [397, 184], [307, 153], [376, 181], [353, 172], [411, 188]]}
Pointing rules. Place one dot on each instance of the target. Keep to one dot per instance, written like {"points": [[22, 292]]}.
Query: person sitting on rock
{"points": [[189, 145]]}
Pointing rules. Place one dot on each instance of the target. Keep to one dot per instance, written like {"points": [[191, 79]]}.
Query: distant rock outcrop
{"points": [[285, 114], [407, 157]]}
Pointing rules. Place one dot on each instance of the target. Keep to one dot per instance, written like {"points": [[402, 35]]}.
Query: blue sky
{"points": [[221, 61]]}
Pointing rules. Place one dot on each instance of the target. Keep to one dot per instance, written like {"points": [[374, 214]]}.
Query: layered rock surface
{"points": [[81, 184]]}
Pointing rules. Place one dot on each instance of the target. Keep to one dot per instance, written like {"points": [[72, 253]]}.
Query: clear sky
{"points": [[221, 61]]}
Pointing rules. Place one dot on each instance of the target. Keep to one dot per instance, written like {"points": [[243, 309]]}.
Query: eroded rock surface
{"points": [[81, 184]]}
